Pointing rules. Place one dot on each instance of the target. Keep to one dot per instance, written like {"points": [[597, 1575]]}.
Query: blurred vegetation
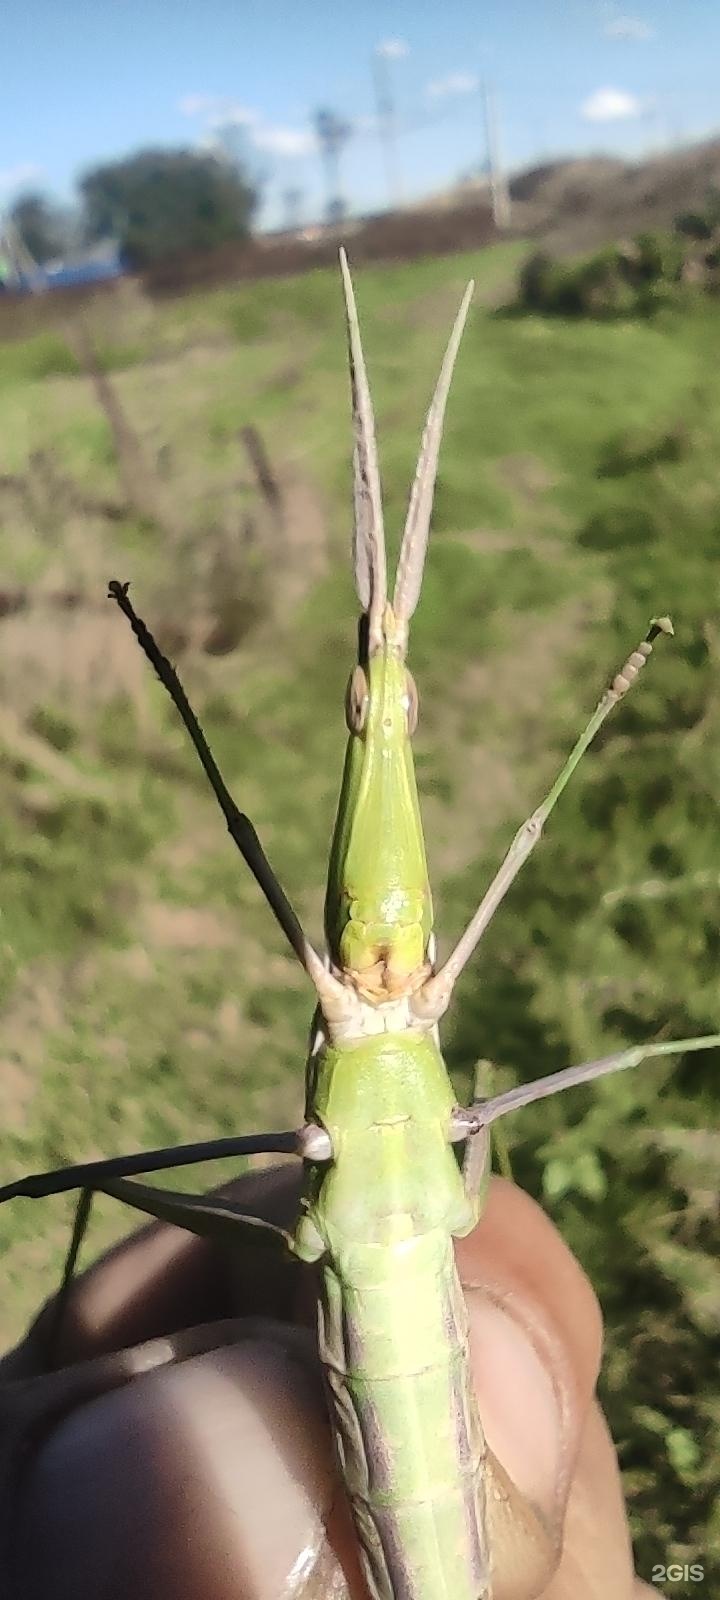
{"points": [[158, 203], [147, 996], [154, 205], [634, 278]]}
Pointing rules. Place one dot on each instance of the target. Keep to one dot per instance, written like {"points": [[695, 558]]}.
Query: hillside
{"points": [[146, 995], [569, 206], [577, 205]]}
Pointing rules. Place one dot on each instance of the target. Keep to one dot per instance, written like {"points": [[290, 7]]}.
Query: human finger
{"points": [[535, 1336]]}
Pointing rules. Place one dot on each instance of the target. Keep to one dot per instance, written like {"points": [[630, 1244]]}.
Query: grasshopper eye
{"points": [[412, 703], [356, 701]]}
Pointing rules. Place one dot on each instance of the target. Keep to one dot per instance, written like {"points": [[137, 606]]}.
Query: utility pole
{"points": [[499, 192], [333, 134], [234, 148], [387, 124]]}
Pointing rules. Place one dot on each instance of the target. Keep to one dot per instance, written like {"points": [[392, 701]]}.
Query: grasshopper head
{"points": [[378, 912]]}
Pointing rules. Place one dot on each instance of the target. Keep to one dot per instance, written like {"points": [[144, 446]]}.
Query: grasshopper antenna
{"points": [[411, 561], [433, 998], [334, 997], [369, 559]]}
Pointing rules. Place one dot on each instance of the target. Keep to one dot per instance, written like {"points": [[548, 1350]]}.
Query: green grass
{"points": [[147, 995]]}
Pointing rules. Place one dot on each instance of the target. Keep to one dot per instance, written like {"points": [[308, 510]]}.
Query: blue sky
{"points": [[89, 80]]}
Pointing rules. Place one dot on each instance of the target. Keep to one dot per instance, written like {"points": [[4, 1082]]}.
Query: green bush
{"points": [[636, 449], [592, 287], [632, 279], [618, 528], [701, 224], [660, 257], [539, 278], [601, 288], [694, 225]]}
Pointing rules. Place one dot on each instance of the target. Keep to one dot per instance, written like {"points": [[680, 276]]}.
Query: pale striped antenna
{"points": [[411, 562], [369, 559], [432, 1000]]}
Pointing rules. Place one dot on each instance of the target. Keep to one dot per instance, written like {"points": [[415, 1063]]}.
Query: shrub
{"points": [[619, 528], [636, 449], [634, 278], [660, 256], [539, 279]]}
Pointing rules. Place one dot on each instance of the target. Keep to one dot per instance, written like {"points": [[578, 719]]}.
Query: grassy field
{"points": [[146, 995]]}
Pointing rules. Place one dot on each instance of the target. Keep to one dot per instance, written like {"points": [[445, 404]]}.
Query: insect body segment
{"points": [[393, 1327]]}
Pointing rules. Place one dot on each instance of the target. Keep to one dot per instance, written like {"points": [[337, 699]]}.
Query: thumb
{"points": [[557, 1524]]}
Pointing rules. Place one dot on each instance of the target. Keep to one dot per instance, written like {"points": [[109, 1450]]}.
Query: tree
{"points": [[44, 229], [160, 203]]}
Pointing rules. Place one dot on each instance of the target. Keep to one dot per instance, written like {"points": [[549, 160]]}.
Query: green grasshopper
{"points": [[383, 1194]]}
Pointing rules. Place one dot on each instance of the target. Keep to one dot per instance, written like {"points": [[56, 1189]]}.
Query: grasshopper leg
{"points": [[469, 1122], [477, 1160], [80, 1226]]}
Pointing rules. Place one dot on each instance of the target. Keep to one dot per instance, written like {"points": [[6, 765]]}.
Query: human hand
{"points": [[183, 1452]]}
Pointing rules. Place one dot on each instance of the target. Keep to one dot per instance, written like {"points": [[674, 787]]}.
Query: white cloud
{"points": [[392, 49], [219, 114], [628, 28], [611, 105], [282, 141], [232, 116], [217, 110], [195, 105], [24, 172], [454, 83]]}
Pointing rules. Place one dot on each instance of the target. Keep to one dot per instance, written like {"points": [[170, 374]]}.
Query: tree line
{"points": [[154, 204]]}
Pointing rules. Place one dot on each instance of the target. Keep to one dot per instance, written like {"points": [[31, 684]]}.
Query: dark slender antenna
{"points": [[239, 825]]}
